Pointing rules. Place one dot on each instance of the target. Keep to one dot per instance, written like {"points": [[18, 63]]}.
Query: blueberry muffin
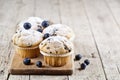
{"points": [[27, 42], [33, 23], [56, 50], [59, 30]]}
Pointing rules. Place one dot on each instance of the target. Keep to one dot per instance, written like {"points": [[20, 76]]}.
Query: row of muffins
{"points": [[54, 41]]}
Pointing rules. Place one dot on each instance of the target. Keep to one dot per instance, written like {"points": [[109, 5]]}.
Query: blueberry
{"points": [[46, 35], [39, 64], [39, 30], [45, 24], [78, 57], [26, 61], [27, 25], [87, 62], [83, 66]]}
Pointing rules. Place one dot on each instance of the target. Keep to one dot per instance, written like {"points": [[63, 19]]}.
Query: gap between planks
{"points": [[104, 25], [66, 12], [86, 13]]}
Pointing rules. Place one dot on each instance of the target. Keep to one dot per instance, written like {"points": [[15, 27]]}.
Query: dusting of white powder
{"points": [[60, 30], [27, 38], [56, 45], [34, 21]]}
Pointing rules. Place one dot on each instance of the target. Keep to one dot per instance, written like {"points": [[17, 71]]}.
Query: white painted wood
{"points": [[48, 77], [18, 77], [106, 34], [114, 8], [95, 23], [8, 13], [73, 14], [47, 9], [24, 9]]}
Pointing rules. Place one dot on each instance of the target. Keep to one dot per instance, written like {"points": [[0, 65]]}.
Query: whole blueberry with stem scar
{"points": [[78, 57], [45, 23], [27, 25], [27, 61]]}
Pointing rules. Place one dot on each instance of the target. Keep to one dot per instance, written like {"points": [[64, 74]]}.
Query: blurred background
{"points": [[96, 24]]}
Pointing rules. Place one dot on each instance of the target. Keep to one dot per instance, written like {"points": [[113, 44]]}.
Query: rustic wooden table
{"points": [[96, 24]]}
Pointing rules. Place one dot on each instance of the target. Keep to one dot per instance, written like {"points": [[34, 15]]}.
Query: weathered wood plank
{"points": [[46, 77], [48, 9], [103, 24], [7, 18], [114, 8], [19, 77], [73, 14], [106, 34], [24, 9]]}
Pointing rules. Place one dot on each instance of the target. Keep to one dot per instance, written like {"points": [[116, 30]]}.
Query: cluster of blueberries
{"points": [[86, 61], [44, 24], [27, 61]]}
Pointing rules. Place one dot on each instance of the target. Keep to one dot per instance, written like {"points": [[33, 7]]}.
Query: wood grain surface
{"points": [[96, 24]]}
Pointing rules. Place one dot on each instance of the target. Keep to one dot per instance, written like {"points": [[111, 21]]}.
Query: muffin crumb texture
{"points": [[27, 38], [59, 30], [56, 45]]}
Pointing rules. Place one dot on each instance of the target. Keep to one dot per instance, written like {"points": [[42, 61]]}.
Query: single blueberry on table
{"points": [[83, 66], [39, 64], [45, 23], [87, 62], [46, 35], [78, 57], [39, 30], [27, 25], [26, 61]]}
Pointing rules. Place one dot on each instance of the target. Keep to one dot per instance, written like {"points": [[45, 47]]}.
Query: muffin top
{"points": [[59, 30], [33, 23], [56, 45], [27, 38]]}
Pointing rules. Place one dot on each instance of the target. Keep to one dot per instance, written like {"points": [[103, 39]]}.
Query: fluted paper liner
{"points": [[30, 52], [56, 60]]}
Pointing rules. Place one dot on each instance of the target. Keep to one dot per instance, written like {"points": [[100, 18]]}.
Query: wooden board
{"points": [[18, 68]]}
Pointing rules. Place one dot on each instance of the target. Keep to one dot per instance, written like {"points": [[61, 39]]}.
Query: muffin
{"points": [[27, 42], [59, 30], [33, 23], [56, 50]]}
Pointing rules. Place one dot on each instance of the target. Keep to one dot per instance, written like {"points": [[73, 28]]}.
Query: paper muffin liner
{"points": [[56, 60], [30, 52]]}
